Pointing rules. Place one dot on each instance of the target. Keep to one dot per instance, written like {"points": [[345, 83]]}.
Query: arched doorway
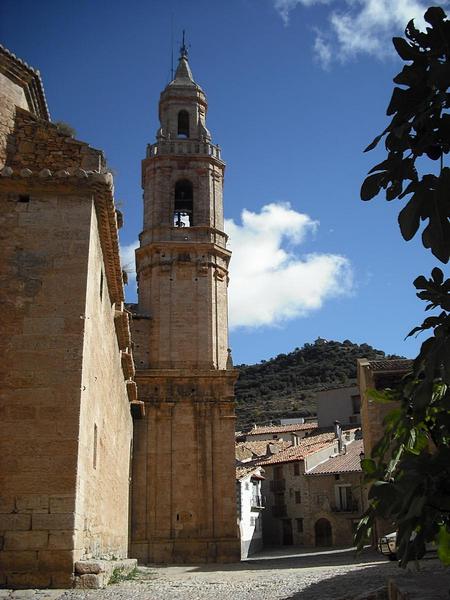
{"points": [[322, 530]]}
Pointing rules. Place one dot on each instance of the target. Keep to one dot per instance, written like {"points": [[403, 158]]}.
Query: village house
{"points": [[291, 512], [250, 504], [289, 433], [338, 404]]}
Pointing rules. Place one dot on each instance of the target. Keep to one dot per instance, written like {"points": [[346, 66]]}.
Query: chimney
{"points": [[338, 435]]}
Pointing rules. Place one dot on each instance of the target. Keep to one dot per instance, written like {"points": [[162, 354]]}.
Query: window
{"points": [[184, 204], [296, 468], [101, 284], [183, 124], [278, 472], [94, 455], [299, 525], [344, 498], [356, 404], [274, 437], [298, 497]]}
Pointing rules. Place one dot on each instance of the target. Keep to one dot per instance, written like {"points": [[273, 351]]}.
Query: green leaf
{"points": [[443, 544], [409, 216], [435, 16], [372, 186], [404, 50], [369, 466], [373, 144]]}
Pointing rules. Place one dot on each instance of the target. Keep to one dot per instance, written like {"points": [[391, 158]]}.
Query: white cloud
{"points": [[269, 282], [358, 26]]}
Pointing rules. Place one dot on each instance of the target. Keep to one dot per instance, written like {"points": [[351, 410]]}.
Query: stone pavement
{"points": [[270, 576]]}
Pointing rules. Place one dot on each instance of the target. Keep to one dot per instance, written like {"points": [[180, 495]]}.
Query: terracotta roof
{"points": [[306, 447], [242, 471], [350, 462], [390, 365], [260, 447], [281, 428]]}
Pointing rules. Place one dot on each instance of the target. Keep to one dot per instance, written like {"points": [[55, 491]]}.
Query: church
{"points": [[117, 420]]}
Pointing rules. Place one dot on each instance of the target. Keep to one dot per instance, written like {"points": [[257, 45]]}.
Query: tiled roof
{"points": [[259, 448], [306, 447], [282, 428], [242, 471], [396, 364], [18, 70], [350, 462]]}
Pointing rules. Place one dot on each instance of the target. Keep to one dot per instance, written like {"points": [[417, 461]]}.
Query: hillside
{"points": [[284, 386]]}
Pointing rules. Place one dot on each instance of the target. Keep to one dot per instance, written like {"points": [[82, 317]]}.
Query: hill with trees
{"points": [[285, 386]]}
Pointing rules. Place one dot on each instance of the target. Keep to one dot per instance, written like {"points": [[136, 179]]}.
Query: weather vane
{"points": [[184, 48]]}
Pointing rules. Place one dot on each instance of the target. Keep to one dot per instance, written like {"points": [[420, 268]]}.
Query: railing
{"points": [[258, 502], [277, 485], [279, 510], [183, 147]]}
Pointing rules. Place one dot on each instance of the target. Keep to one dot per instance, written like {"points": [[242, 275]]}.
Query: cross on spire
{"points": [[184, 48]]}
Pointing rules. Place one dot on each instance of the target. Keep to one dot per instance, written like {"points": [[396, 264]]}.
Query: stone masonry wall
{"points": [[44, 248], [105, 424], [11, 95], [38, 144]]}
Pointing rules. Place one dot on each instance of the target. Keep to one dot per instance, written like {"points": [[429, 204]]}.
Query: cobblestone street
{"points": [[315, 576]]}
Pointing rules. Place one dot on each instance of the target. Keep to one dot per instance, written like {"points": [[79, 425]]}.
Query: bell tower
{"points": [[183, 494]]}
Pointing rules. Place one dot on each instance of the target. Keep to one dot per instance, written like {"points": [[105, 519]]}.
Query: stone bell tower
{"points": [[183, 491]]}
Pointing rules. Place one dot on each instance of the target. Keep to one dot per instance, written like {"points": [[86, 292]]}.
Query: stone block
{"points": [[7, 504], [15, 522], [28, 580], [53, 521], [84, 567], [26, 540], [32, 503], [61, 540], [90, 581], [62, 504], [62, 580], [18, 561], [55, 560]]}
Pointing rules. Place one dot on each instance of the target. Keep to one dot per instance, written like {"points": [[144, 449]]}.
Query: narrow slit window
{"points": [[94, 454], [184, 204], [101, 284], [183, 124]]}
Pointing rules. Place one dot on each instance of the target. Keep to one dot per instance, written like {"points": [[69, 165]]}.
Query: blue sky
{"points": [[296, 90]]}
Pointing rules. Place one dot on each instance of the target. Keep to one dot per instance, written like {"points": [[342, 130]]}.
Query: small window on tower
{"points": [[183, 124], [184, 204]]}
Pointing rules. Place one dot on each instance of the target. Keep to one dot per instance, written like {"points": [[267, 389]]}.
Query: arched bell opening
{"points": [[183, 124], [183, 214]]}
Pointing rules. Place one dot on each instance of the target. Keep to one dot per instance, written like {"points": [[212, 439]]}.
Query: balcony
{"points": [[278, 485], [279, 510], [258, 503], [183, 147]]}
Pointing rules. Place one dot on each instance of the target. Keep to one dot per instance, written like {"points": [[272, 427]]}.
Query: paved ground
{"points": [[337, 575]]}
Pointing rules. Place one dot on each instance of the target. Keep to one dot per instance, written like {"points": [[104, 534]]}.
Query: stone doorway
{"points": [[288, 538], [322, 530]]}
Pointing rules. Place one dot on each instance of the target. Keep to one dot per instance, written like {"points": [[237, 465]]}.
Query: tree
{"points": [[409, 471]]}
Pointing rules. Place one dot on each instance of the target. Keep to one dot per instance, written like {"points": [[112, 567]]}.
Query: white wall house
{"points": [[250, 506]]}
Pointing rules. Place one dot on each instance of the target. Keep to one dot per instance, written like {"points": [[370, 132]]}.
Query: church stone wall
{"points": [[43, 276], [11, 95], [105, 424]]}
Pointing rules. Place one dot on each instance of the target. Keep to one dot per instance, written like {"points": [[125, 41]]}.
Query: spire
{"points": [[183, 74]]}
